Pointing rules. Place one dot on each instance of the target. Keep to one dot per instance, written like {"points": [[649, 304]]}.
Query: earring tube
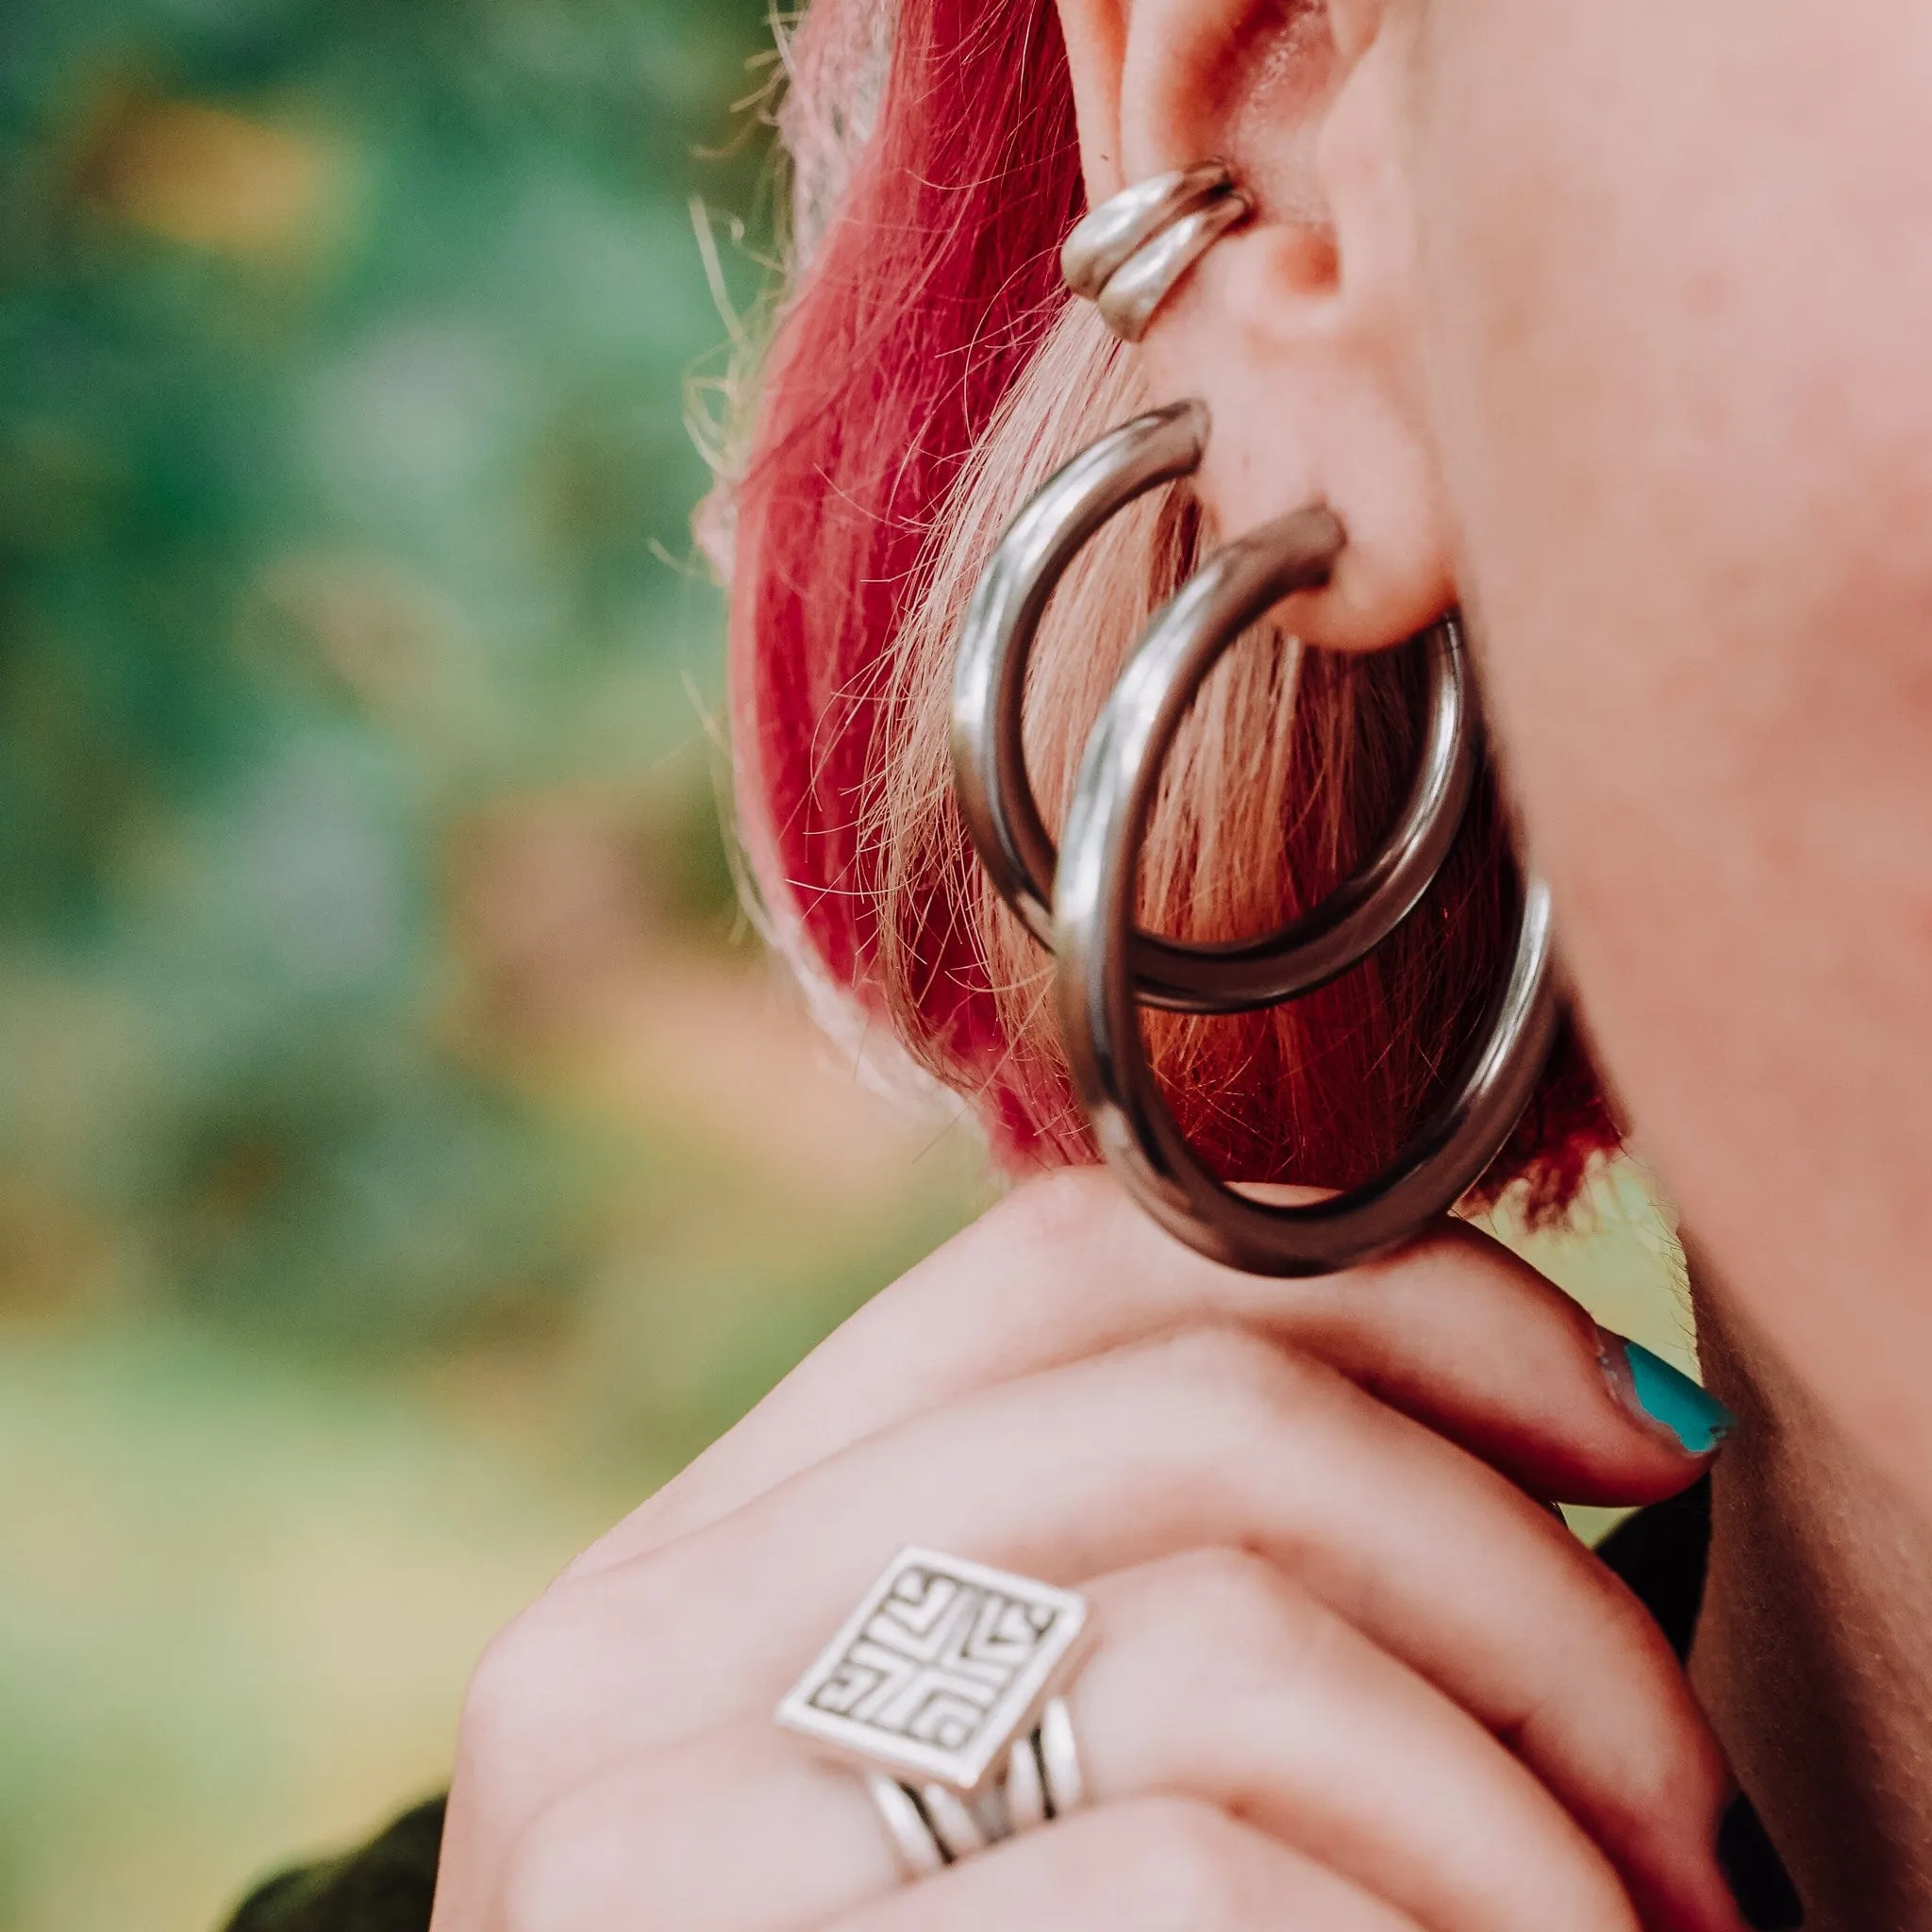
{"points": [[990, 668]]}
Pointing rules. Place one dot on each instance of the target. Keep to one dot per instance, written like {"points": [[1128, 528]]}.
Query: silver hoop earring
{"points": [[1104, 969], [1134, 250], [1003, 816]]}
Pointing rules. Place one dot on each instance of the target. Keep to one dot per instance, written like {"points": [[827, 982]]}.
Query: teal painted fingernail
{"points": [[1665, 1398]]}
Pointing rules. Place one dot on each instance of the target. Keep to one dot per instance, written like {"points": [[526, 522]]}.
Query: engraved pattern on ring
{"points": [[944, 1664]]}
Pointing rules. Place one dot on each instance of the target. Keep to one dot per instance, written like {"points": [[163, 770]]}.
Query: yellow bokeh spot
{"points": [[210, 177]]}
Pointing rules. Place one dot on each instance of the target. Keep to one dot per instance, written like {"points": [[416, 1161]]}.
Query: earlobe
{"points": [[1305, 364]]}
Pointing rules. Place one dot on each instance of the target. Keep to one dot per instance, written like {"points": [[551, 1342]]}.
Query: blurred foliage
{"points": [[344, 490], [400, 1175]]}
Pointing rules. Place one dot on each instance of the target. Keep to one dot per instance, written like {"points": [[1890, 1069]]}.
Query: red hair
{"points": [[927, 290]]}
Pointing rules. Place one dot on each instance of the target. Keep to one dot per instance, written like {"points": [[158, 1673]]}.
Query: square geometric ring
{"points": [[944, 1667]]}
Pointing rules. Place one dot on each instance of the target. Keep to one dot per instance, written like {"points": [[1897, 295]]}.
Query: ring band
{"points": [[1060, 1760], [932, 1827], [1028, 1806], [920, 1852], [1104, 241]]}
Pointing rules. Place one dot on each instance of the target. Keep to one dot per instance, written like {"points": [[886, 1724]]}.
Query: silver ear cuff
{"points": [[1080, 902], [1133, 251]]}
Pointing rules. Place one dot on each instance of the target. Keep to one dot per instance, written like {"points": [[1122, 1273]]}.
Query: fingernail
{"points": [[1663, 1397], [1756, 1875]]}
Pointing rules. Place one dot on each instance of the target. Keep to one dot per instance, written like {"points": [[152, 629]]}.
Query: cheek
{"points": [[1677, 303]]}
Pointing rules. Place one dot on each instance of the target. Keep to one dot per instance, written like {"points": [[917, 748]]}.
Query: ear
{"points": [[1298, 329]]}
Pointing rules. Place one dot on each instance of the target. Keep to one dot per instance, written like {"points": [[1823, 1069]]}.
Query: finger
{"points": [[1161, 1865], [1154, 1865], [1221, 1678], [1216, 1682], [1454, 1331], [1209, 1439]]}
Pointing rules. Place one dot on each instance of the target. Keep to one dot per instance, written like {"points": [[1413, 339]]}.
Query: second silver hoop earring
{"points": [[1105, 969]]}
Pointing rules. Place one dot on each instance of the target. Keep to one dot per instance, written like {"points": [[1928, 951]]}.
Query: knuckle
{"points": [[1056, 1210], [513, 1683], [1673, 1768], [551, 1868], [1234, 1623], [1234, 1370], [1232, 1595], [1180, 1860], [1211, 1409]]}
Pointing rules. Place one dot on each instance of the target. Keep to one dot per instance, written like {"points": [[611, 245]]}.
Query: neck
{"points": [[1814, 1654]]}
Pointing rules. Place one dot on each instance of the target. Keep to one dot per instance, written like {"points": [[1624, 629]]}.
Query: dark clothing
{"points": [[1660, 1554], [387, 1886]]}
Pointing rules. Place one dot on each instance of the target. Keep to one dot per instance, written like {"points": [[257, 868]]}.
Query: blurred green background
{"points": [[407, 1159]]}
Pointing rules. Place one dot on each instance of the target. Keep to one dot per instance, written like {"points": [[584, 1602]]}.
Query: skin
{"points": [[1820, 1567], [1636, 292], [1308, 1692], [1609, 322]]}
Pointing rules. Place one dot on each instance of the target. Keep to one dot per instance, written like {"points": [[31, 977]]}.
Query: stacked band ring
{"points": [[940, 1690]]}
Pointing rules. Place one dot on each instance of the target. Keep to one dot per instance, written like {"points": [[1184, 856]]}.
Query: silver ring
{"points": [[932, 1827], [1060, 1760], [955, 1825], [1027, 1804], [942, 1689], [1094, 981], [914, 1841], [1136, 248], [1003, 817]]}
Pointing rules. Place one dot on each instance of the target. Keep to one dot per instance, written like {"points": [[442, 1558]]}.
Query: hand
{"points": [[1351, 1674]]}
